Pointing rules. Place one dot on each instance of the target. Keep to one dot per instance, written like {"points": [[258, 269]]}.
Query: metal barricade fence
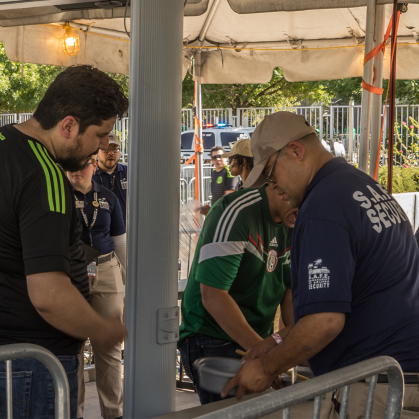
{"points": [[251, 117], [58, 374], [24, 117], [8, 118], [217, 116], [317, 387], [187, 119]]}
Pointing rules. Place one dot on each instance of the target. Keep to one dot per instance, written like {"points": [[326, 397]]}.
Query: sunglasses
{"points": [[268, 178], [112, 150], [218, 156]]}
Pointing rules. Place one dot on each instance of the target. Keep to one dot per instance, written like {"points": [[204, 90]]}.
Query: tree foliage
{"points": [[22, 86], [279, 92]]}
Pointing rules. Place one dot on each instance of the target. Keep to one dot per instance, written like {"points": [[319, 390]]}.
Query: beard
{"points": [[109, 165], [74, 160]]}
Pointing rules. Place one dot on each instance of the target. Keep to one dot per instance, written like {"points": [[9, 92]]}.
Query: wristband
{"points": [[277, 337]]}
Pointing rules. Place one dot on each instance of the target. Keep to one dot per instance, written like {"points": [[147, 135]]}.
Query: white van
{"points": [[211, 137]]}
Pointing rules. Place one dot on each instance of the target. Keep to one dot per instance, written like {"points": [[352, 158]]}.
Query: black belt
{"points": [[408, 379], [106, 258]]}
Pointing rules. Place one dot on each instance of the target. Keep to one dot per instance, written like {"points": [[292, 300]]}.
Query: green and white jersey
{"points": [[242, 250]]}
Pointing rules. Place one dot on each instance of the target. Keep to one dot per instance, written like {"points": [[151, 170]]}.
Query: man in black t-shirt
{"points": [[43, 277], [222, 181]]}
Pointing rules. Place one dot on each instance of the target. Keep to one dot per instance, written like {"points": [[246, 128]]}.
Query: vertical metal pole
{"points": [[198, 127], [366, 96], [153, 205], [9, 390], [392, 102], [332, 111], [351, 131], [377, 82], [321, 121]]}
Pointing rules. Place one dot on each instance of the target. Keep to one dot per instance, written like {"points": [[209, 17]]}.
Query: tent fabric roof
{"points": [[245, 40]]}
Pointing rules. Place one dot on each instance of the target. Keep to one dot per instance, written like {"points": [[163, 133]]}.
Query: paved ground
{"points": [[184, 400]]}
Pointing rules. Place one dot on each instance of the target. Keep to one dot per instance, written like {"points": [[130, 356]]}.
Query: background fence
{"points": [[334, 124]]}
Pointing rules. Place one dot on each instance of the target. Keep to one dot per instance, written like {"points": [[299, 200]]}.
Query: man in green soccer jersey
{"points": [[239, 276]]}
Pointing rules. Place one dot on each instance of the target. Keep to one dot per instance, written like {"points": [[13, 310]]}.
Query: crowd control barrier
{"points": [[27, 350]]}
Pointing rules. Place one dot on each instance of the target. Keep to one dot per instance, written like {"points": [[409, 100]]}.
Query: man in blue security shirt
{"points": [[354, 269], [113, 175]]}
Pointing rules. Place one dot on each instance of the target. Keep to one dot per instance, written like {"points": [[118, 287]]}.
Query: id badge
{"points": [[79, 204], [91, 270]]}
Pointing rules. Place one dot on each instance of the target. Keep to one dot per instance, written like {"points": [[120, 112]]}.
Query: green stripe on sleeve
{"points": [[48, 180], [54, 178], [60, 176]]}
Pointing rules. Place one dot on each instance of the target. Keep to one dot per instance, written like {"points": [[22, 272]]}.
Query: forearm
{"points": [[308, 337], [227, 314], [67, 310]]}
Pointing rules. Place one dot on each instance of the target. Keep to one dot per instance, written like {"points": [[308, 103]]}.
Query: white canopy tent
{"points": [[234, 41], [255, 36]]}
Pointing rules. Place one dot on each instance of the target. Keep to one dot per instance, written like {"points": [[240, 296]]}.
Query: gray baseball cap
{"points": [[113, 138], [270, 136]]}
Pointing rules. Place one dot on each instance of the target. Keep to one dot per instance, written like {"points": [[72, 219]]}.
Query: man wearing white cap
{"points": [[352, 253], [241, 160]]}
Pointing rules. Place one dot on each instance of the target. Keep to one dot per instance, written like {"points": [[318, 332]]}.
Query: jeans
{"points": [[33, 388], [200, 346]]}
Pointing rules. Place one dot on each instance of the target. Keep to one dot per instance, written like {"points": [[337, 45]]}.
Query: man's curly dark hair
{"points": [[84, 92]]}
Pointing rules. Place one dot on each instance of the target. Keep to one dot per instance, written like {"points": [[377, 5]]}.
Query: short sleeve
{"points": [[223, 243], [117, 220], [44, 211], [325, 262], [230, 181]]}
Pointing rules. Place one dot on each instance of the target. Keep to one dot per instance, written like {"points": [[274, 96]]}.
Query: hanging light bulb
{"points": [[70, 42]]}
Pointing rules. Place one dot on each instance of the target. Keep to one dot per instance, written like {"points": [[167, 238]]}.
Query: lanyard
{"points": [[113, 178], [95, 203]]}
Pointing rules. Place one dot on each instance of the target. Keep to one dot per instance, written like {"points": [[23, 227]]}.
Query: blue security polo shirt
{"points": [[120, 186], [109, 221], [354, 252]]}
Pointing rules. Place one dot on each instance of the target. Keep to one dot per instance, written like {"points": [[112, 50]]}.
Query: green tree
{"points": [[278, 92], [22, 86]]}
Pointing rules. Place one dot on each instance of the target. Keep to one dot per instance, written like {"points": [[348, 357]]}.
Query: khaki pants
{"points": [[107, 298], [358, 398]]}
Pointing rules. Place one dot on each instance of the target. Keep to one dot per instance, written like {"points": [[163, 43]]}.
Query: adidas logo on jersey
{"points": [[273, 243]]}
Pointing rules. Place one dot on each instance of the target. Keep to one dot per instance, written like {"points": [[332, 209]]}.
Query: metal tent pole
{"points": [[153, 207], [199, 180], [350, 131], [366, 96], [377, 100]]}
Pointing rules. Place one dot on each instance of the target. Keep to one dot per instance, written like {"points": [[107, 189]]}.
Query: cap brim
{"points": [[256, 178]]}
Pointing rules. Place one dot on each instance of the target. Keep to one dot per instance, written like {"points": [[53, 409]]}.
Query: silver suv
{"points": [[211, 137]]}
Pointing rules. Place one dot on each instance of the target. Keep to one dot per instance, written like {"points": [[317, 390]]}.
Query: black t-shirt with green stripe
{"points": [[39, 232], [220, 182]]}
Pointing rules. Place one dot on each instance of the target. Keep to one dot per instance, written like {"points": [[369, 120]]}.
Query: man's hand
{"points": [[259, 349], [113, 333], [251, 378], [204, 209]]}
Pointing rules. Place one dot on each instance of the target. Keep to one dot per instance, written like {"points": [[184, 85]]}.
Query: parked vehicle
{"points": [[211, 136]]}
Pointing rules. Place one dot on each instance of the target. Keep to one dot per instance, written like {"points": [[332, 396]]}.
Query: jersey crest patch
{"points": [[272, 261], [318, 275]]}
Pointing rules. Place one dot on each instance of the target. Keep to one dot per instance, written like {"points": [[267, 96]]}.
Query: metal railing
{"points": [[317, 387], [334, 123], [58, 374], [251, 117]]}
